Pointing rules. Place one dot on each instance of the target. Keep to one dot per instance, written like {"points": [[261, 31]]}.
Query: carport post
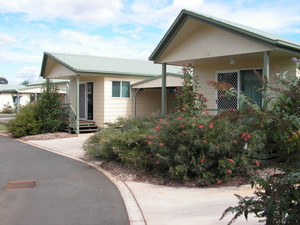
{"points": [[266, 72], [164, 90], [77, 104], [18, 102]]}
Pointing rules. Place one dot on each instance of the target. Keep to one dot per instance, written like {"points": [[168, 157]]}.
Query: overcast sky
{"points": [[116, 28]]}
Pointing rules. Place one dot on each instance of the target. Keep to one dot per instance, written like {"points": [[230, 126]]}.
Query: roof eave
{"points": [[46, 54], [185, 14]]}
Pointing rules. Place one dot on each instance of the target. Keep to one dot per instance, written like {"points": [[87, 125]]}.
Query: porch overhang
{"points": [[189, 22]]}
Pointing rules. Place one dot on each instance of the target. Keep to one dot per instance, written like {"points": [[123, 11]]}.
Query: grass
{"points": [[3, 127]]}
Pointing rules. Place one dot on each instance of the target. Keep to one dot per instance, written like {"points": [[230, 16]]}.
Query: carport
{"points": [[148, 94]]}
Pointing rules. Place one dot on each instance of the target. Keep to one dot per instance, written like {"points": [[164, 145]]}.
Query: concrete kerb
{"points": [[134, 211]]}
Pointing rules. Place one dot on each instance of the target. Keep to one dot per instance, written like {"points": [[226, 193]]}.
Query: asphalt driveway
{"points": [[67, 193]]}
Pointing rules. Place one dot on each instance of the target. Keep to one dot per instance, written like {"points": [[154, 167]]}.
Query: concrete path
{"points": [[161, 205], [68, 192]]}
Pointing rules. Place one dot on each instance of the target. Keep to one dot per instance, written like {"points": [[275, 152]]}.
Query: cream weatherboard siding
{"points": [[7, 99], [208, 72], [195, 41], [148, 102], [106, 108], [115, 107]]}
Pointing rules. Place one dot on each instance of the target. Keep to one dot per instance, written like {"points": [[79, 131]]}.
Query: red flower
{"points": [[228, 171], [157, 162], [230, 160], [182, 125], [183, 109], [200, 95], [157, 127], [161, 119], [202, 160], [219, 181], [245, 136], [149, 142], [161, 144], [151, 137], [184, 132], [257, 163], [211, 125], [201, 126], [204, 141], [148, 156], [179, 118]]}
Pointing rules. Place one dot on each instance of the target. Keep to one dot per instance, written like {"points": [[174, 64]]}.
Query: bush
{"points": [[41, 117], [178, 147], [188, 149], [49, 109], [26, 122], [8, 109], [123, 141], [276, 201]]}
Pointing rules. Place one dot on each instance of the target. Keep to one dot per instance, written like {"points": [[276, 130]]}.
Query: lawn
{"points": [[3, 127]]}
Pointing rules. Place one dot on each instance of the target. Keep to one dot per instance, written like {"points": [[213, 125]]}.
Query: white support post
{"points": [[164, 90], [77, 103], [266, 72]]}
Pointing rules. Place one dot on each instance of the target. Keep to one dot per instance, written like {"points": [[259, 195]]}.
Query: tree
{"points": [[3, 80], [25, 82]]}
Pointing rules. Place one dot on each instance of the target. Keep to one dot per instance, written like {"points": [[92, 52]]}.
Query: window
{"points": [[121, 89]]}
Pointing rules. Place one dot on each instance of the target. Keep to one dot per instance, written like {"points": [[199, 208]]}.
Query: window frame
{"points": [[120, 89]]}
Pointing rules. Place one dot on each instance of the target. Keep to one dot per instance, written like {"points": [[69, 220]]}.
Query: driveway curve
{"points": [[68, 192]]}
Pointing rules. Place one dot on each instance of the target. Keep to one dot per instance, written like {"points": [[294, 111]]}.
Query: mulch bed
{"points": [[48, 136]]}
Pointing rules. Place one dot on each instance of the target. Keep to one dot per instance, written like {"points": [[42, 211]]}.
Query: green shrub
{"points": [[8, 109], [276, 201], [49, 110], [123, 141], [26, 122], [178, 147], [185, 149]]}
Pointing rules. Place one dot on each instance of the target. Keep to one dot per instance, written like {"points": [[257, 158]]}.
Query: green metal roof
{"points": [[7, 88], [41, 81], [154, 78], [82, 64], [267, 39]]}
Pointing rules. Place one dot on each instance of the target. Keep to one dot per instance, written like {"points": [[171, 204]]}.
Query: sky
{"points": [[116, 28]]}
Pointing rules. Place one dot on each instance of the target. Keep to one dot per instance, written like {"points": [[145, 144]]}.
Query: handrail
{"points": [[70, 115]]}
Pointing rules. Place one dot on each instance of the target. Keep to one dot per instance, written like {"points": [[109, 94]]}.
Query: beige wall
{"points": [[118, 107], [7, 99], [208, 72], [149, 102], [200, 41], [106, 108]]}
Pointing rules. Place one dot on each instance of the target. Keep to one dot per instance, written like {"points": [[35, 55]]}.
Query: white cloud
{"points": [[29, 73], [6, 41], [147, 13], [91, 11], [271, 16]]}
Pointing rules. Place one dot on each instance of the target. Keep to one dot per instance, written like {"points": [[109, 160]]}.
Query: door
{"points": [[231, 77], [82, 101], [86, 105], [250, 83]]}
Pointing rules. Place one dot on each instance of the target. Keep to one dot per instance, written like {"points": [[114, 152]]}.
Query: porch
{"points": [[72, 125]]}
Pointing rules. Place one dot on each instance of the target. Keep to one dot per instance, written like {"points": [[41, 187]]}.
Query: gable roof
{"points": [[270, 40], [88, 64], [41, 81], [8, 88]]}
